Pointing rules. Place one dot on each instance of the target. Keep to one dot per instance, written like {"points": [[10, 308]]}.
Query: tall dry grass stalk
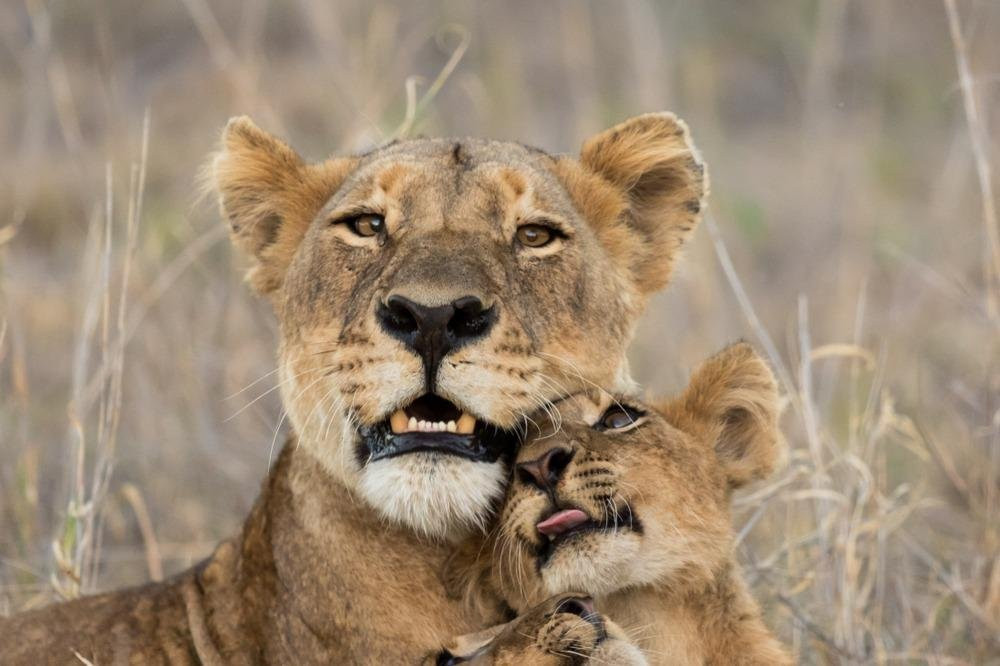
{"points": [[77, 550], [979, 139]]}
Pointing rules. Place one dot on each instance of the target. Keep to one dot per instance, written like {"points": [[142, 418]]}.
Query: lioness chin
{"points": [[429, 293]]}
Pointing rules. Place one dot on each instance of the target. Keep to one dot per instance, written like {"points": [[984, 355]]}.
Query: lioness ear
{"points": [[652, 163], [269, 195], [734, 394]]}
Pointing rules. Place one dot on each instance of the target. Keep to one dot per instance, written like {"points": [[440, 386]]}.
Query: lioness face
{"points": [[433, 292], [621, 494]]}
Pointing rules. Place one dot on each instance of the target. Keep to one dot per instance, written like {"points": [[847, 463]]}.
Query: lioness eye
{"points": [[619, 416], [535, 235], [367, 225]]}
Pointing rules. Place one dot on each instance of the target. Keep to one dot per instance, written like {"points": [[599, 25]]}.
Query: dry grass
{"points": [[854, 238]]}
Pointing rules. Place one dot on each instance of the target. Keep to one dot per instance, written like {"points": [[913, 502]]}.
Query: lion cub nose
{"points": [[544, 472], [432, 331]]}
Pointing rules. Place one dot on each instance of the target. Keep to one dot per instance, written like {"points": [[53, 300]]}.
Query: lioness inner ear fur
{"points": [[269, 195], [734, 394], [651, 160]]}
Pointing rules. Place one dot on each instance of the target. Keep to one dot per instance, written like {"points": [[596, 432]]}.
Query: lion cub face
{"points": [[432, 292], [626, 494]]}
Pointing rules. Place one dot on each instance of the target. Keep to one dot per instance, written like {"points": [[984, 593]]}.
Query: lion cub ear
{"points": [[735, 396], [269, 195], [656, 170]]}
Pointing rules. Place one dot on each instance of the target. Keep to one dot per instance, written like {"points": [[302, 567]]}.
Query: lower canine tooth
{"points": [[466, 424], [397, 422]]}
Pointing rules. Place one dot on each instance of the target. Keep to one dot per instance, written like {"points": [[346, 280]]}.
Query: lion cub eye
{"points": [[619, 416], [535, 235], [366, 225]]}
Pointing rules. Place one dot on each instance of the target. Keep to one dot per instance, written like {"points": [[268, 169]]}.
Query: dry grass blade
{"points": [[979, 139], [414, 111], [153, 559]]}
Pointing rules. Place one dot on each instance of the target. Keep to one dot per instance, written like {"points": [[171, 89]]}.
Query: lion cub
{"points": [[631, 505]]}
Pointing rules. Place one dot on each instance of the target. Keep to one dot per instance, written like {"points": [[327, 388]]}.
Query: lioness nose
{"points": [[432, 331], [544, 472]]}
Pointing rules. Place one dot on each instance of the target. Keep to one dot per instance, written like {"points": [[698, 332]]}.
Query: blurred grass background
{"points": [[845, 194]]}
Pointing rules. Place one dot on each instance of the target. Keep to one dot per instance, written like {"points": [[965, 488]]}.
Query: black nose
{"points": [[434, 331], [544, 472]]}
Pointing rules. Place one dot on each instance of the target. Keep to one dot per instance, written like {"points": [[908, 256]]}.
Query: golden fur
{"points": [[550, 634], [342, 557], [658, 553]]}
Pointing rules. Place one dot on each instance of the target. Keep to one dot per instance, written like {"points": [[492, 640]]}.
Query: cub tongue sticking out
{"points": [[562, 522]]}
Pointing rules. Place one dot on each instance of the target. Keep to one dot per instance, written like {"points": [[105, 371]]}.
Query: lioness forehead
{"points": [[452, 179], [466, 152]]}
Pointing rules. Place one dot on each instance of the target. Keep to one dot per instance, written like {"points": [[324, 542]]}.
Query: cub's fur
{"points": [[342, 556], [653, 543], [561, 631]]}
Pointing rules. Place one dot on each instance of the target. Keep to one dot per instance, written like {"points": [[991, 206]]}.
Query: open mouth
{"points": [[432, 423], [561, 526]]}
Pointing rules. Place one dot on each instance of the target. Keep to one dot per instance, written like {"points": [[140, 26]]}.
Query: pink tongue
{"points": [[562, 522]]}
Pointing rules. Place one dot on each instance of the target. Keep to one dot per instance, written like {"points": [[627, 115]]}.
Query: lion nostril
{"points": [[471, 318], [529, 475], [555, 463], [545, 472], [397, 316], [400, 318]]}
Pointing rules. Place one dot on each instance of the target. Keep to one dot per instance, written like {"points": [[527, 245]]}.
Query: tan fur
{"points": [[673, 579], [546, 636], [294, 587], [340, 561]]}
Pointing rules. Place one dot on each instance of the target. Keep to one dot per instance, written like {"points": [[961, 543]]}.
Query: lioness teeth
{"points": [[466, 424], [400, 423]]}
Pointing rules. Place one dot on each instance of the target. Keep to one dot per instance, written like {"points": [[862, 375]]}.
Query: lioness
{"points": [[631, 504], [430, 293]]}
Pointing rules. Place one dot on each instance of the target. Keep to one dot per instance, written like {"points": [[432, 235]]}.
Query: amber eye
{"points": [[367, 225], [535, 235], [619, 416]]}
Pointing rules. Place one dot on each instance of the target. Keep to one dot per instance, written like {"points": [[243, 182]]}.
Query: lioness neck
{"points": [[319, 574], [718, 623]]}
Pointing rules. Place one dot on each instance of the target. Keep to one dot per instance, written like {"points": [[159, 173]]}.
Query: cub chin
{"points": [[562, 630], [630, 503]]}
